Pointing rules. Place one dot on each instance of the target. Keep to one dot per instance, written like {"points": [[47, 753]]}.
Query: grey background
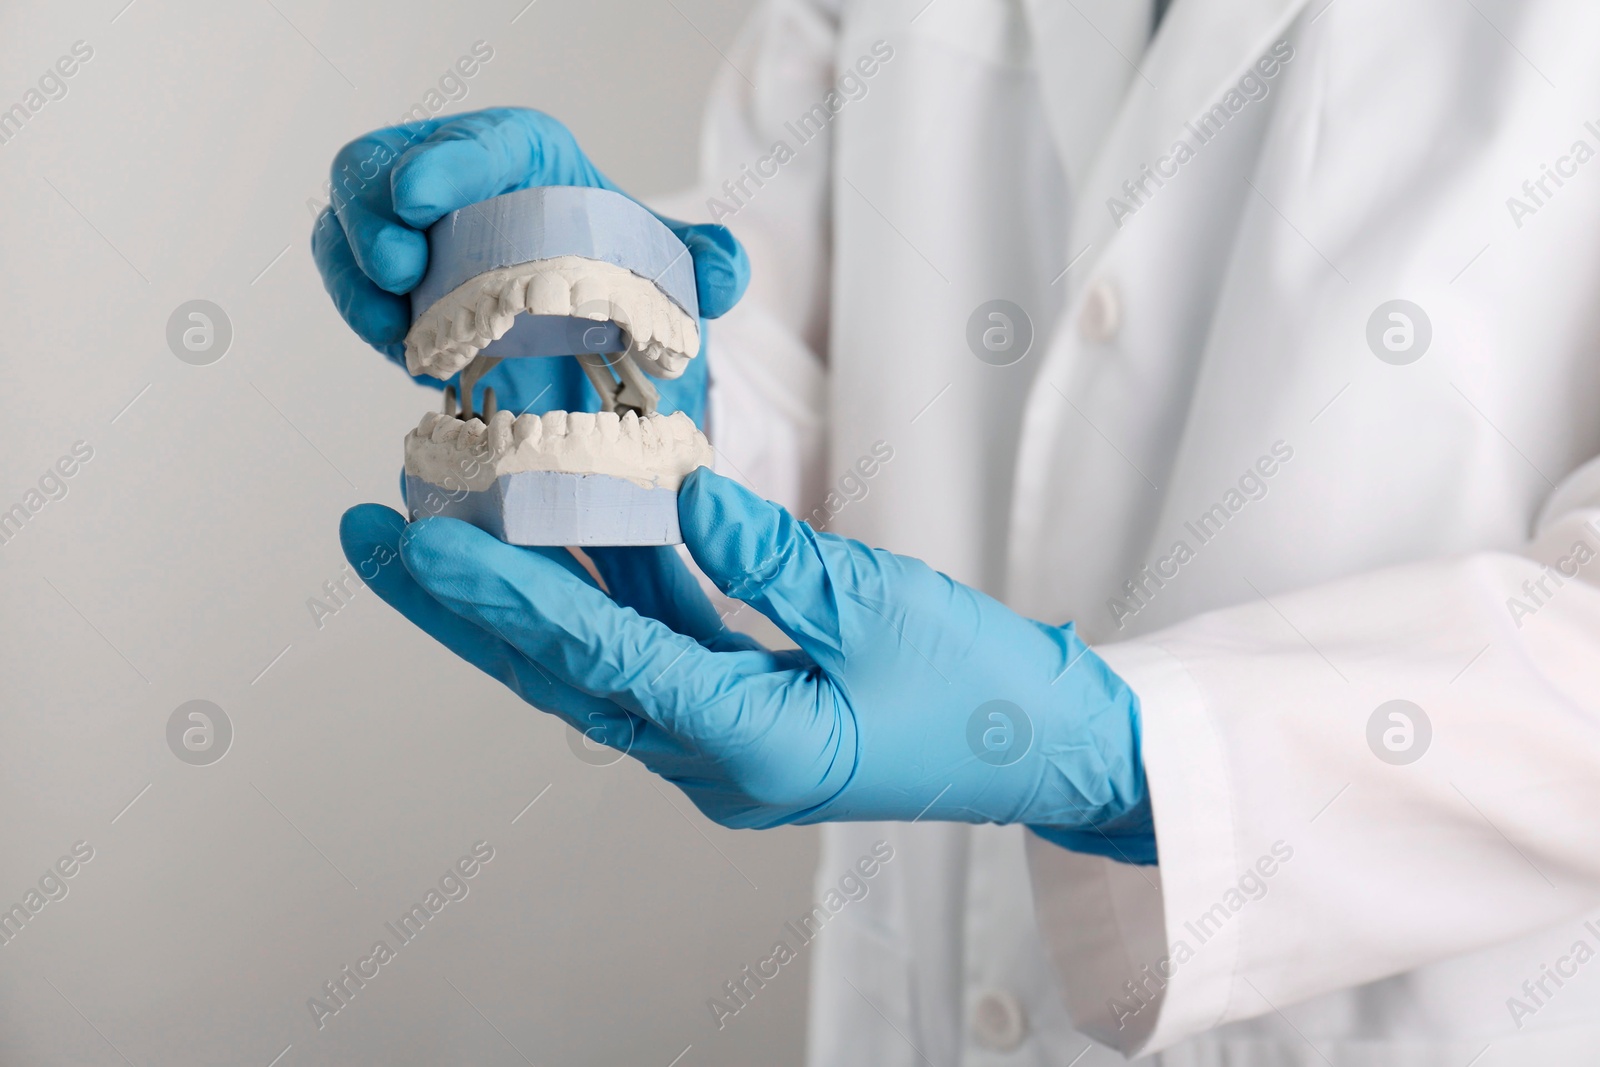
{"points": [[365, 760]]}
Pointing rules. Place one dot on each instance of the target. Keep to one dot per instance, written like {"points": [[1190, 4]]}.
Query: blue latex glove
{"points": [[392, 184], [884, 712]]}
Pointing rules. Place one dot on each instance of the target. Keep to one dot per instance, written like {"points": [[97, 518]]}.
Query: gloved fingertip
{"points": [[469, 569], [721, 267], [436, 178], [447, 556], [369, 535], [430, 542], [396, 258], [367, 524], [736, 538], [322, 229], [378, 318]]}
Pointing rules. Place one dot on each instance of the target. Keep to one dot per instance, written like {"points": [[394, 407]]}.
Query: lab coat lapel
{"points": [[1203, 46], [1087, 53]]}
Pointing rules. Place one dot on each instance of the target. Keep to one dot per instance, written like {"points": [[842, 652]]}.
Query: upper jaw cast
{"points": [[659, 336]]}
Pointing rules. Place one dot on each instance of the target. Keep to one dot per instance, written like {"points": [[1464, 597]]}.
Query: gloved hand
{"points": [[886, 711], [392, 184]]}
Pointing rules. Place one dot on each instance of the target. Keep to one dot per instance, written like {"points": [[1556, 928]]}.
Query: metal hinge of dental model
{"points": [[622, 386]]}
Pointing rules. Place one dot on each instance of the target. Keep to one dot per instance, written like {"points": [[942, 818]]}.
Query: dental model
{"points": [[557, 271], [571, 478]]}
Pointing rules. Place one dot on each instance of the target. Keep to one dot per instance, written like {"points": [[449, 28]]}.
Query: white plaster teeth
{"points": [[527, 430], [549, 294], [473, 433], [430, 419], [462, 324], [591, 298], [446, 431], [660, 331], [486, 311], [515, 295], [500, 432], [657, 450], [638, 323], [580, 423], [662, 337], [667, 352]]}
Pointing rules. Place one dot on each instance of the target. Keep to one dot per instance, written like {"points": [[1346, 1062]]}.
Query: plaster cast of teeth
{"points": [[557, 271], [654, 452], [660, 335]]}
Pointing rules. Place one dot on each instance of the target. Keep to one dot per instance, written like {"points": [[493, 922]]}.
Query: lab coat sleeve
{"points": [[773, 190], [1300, 854]]}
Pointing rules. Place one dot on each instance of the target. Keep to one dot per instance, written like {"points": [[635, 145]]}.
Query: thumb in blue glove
{"points": [[910, 696]]}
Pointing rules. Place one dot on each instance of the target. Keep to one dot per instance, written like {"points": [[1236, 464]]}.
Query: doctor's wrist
{"points": [[1120, 825], [1129, 838]]}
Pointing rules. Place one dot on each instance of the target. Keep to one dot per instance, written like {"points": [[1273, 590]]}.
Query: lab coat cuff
{"points": [[1134, 971]]}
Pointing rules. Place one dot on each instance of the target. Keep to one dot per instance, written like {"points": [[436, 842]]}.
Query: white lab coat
{"points": [[1222, 324]]}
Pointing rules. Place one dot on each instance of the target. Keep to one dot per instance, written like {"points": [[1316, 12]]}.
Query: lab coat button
{"points": [[1101, 313], [998, 1021]]}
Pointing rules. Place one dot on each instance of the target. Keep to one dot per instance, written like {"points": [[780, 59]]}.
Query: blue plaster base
{"points": [[556, 508]]}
